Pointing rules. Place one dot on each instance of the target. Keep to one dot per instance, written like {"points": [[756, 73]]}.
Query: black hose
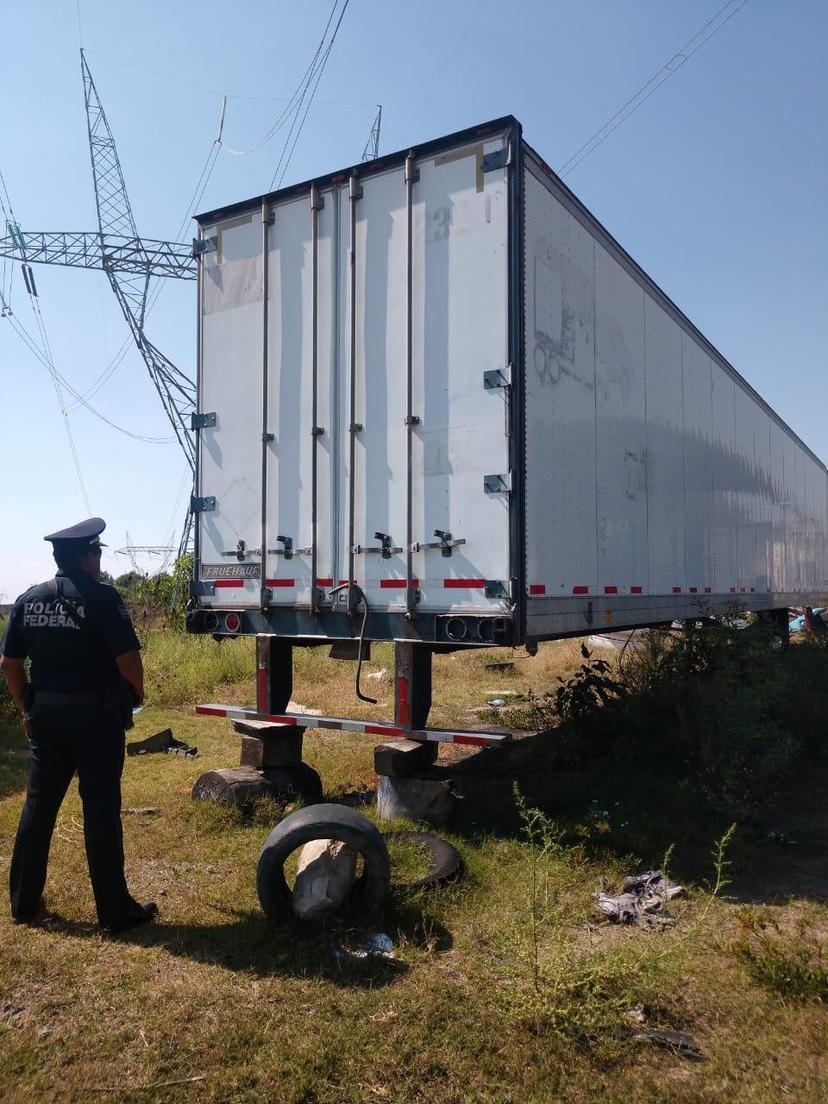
{"points": [[360, 597]]}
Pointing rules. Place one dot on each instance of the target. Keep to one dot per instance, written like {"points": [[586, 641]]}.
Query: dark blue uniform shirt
{"points": [[73, 642]]}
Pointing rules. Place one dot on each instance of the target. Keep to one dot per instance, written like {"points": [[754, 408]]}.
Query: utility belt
{"points": [[115, 699]]}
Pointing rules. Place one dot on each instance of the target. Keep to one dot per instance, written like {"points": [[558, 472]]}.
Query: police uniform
{"points": [[72, 628]]}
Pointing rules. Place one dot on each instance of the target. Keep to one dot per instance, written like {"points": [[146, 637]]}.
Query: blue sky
{"points": [[717, 186]]}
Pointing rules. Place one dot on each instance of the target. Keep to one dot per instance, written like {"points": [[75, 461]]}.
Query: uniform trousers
{"points": [[89, 740]]}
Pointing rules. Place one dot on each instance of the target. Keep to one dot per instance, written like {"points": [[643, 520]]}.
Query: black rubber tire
{"points": [[445, 861], [298, 780], [326, 821]]}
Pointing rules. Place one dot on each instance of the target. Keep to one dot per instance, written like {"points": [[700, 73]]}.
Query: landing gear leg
{"points": [[274, 674], [412, 684]]}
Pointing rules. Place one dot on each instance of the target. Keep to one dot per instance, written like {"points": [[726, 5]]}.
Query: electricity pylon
{"points": [[131, 284], [130, 263], [371, 150]]}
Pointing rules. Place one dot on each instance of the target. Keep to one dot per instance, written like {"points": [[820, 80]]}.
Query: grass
{"points": [[504, 987]]}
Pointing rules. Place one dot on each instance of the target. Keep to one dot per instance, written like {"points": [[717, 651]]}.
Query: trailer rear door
{"points": [[383, 307]]}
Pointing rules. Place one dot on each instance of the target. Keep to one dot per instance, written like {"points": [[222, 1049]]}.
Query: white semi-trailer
{"points": [[439, 404]]}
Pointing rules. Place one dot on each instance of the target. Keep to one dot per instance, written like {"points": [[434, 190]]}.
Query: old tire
{"points": [[298, 780], [325, 821], [445, 862]]}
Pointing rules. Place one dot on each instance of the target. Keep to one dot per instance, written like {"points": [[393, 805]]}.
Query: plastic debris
{"points": [[378, 945], [377, 676], [642, 901], [679, 1042], [161, 741], [497, 702]]}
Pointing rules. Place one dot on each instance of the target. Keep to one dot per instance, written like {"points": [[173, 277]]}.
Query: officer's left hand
{"points": [[27, 728]]}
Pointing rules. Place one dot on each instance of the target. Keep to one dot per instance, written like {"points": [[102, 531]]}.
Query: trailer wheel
{"points": [[445, 863], [322, 822]]}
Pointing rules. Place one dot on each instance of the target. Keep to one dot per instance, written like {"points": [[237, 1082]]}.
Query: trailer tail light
{"points": [[232, 623]]}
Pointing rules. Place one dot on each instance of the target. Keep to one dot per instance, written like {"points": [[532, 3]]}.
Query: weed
{"points": [[793, 964], [591, 687]]}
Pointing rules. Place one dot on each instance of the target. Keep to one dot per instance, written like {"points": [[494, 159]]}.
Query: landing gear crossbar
{"points": [[345, 724]]}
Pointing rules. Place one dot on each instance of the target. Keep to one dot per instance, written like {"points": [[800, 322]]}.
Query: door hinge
{"points": [[205, 245], [496, 588], [497, 159], [202, 504], [498, 377], [497, 484], [202, 421]]}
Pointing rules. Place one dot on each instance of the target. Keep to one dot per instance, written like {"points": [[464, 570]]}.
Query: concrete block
{"points": [[420, 799], [325, 876], [402, 758]]}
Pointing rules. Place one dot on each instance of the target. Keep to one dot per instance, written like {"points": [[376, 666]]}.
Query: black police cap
{"points": [[83, 534]]}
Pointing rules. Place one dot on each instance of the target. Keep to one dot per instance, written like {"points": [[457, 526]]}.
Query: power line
{"points": [[670, 67], [320, 69], [215, 91], [47, 357], [34, 348]]}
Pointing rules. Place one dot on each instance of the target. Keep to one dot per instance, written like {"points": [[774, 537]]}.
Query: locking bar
{"points": [[386, 549], [446, 543], [288, 550]]}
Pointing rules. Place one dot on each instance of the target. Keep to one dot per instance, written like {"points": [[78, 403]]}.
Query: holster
{"points": [[121, 699], [27, 697]]}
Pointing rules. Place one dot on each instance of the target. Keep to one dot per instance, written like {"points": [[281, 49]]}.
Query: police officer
{"points": [[86, 673]]}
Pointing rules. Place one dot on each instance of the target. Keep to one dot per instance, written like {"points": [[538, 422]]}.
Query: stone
{"points": [[402, 758], [419, 799], [325, 876]]}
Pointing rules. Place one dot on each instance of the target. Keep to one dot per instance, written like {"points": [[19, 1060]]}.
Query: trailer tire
{"points": [[297, 780], [325, 821], [445, 862]]}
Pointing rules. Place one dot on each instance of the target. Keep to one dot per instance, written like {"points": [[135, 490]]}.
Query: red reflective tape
{"points": [[707, 590], [694, 590], [741, 590], [475, 741], [211, 710], [261, 689], [635, 590], [383, 730], [537, 588], [396, 584], [277, 718], [462, 584], [229, 583], [324, 582], [733, 590], [676, 590], [580, 590], [610, 590], [280, 582], [403, 712], [344, 582], [752, 590]]}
